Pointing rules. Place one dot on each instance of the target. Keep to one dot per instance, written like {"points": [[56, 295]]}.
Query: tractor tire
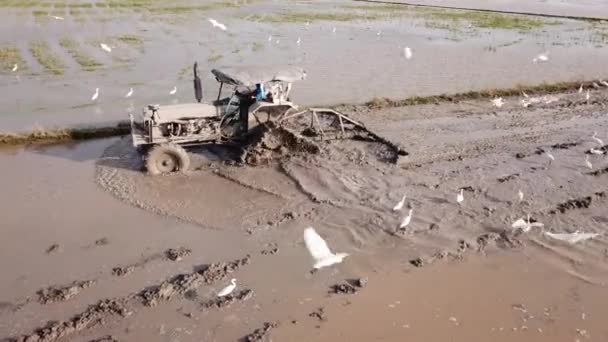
{"points": [[167, 158]]}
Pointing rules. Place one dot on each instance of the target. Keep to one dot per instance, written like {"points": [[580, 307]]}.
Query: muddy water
{"points": [[74, 213], [361, 60]]}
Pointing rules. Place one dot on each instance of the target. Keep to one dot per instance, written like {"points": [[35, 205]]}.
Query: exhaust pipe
{"points": [[198, 87]]}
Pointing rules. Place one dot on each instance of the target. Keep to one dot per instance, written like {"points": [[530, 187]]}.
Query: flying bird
{"points": [[105, 47], [588, 163], [598, 140], [130, 93], [56, 17], [580, 89], [228, 289], [217, 24], [525, 226], [460, 196], [543, 57], [15, 68], [399, 205], [407, 219], [572, 238], [407, 52], [96, 95], [319, 251], [498, 102], [520, 194], [173, 91]]}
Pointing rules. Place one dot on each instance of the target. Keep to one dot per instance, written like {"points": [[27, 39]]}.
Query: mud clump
{"points": [[226, 301], [319, 314], [53, 248], [507, 178], [184, 283], [62, 293], [577, 203], [102, 242], [92, 316], [598, 172], [122, 271], [177, 254], [564, 146], [260, 334], [271, 249], [107, 338], [351, 286]]}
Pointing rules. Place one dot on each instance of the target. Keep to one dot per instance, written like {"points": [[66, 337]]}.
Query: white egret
{"points": [[598, 140], [399, 205], [524, 94], [543, 57], [595, 151], [105, 47], [460, 196], [130, 93], [407, 219], [596, 86], [525, 225], [604, 83], [580, 89], [550, 156], [96, 95], [228, 289], [299, 41], [588, 163], [498, 102], [319, 251], [572, 238], [15, 68], [173, 91], [333, 30], [407, 53], [520, 194], [587, 96], [56, 17], [217, 24], [270, 38]]}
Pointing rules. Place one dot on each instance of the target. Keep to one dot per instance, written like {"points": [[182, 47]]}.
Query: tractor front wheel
{"points": [[167, 158]]}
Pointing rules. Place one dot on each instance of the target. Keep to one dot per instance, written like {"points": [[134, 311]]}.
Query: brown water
{"points": [[102, 212]]}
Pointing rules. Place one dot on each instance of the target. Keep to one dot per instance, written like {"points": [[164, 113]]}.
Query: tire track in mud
{"points": [[97, 314]]}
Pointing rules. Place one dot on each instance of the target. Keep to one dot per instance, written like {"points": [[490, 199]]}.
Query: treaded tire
{"points": [[167, 158]]}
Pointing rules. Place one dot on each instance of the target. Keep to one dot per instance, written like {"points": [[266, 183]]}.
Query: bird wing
{"points": [[573, 237], [317, 247]]}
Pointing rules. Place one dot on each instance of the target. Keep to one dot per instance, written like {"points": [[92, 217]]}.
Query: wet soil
{"points": [[347, 192]]}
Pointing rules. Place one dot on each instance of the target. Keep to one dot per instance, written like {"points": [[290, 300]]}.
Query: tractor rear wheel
{"points": [[167, 158]]}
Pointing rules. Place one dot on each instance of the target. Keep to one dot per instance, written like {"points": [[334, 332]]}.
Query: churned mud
{"points": [[261, 334], [54, 294]]}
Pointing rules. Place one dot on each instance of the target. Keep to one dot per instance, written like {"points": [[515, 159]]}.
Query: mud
{"points": [[185, 283], [227, 301], [578, 203], [107, 338], [260, 334], [271, 249], [177, 254], [53, 248], [62, 293], [93, 315], [350, 286], [319, 314]]}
